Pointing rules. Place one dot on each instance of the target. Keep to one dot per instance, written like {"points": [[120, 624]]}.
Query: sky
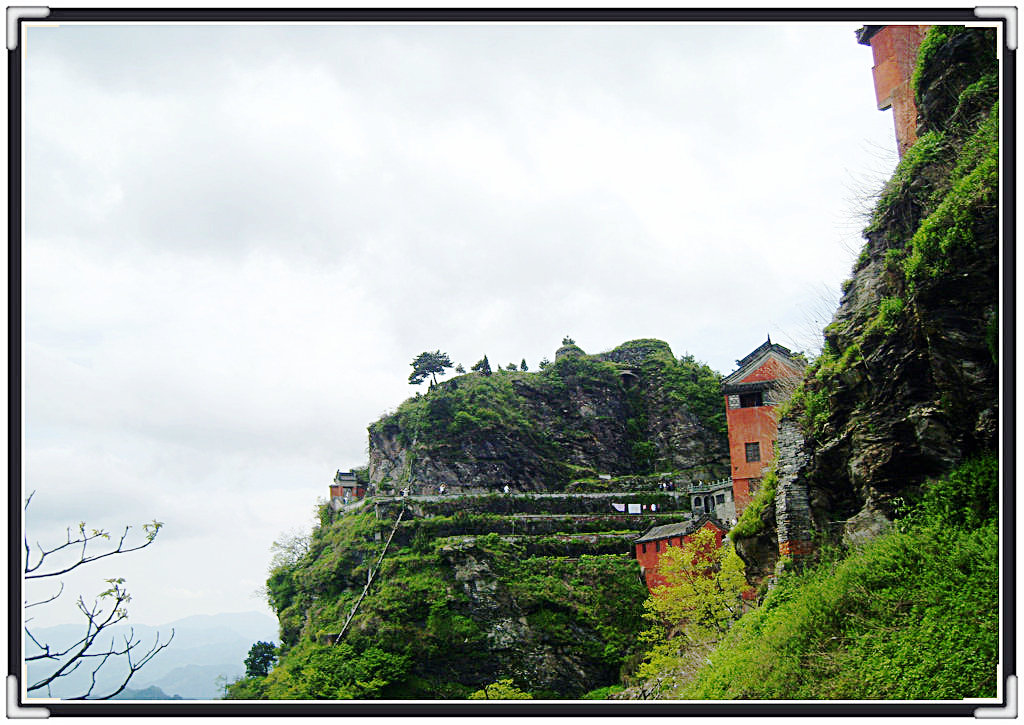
{"points": [[237, 238]]}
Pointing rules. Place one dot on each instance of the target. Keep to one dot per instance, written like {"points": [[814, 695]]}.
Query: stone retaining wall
{"points": [[792, 502]]}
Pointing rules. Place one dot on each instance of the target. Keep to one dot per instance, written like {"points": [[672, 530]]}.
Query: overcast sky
{"points": [[238, 237]]}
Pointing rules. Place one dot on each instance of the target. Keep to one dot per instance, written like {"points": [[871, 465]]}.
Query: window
{"points": [[751, 400], [753, 452], [720, 498], [657, 546], [643, 548]]}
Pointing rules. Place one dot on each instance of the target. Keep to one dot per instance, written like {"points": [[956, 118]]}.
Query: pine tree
{"points": [[483, 367]]}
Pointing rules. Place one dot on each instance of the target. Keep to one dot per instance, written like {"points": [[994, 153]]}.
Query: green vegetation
{"points": [[501, 690], [890, 311], [541, 412], [262, 656], [702, 600], [429, 363], [482, 366], [751, 521], [422, 631], [944, 236], [912, 614], [936, 37], [602, 693], [908, 190]]}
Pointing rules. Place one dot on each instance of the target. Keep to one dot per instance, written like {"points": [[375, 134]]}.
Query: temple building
{"points": [[714, 498], [345, 487], [894, 49], [655, 542], [762, 380]]}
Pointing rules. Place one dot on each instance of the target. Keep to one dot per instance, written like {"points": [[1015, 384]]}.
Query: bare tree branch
{"points": [[107, 610], [84, 558], [47, 601]]}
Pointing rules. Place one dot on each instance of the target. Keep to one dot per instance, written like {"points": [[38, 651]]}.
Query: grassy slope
{"points": [[418, 634], [911, 615]]}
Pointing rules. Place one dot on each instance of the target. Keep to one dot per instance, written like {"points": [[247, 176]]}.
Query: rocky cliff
{"points": [[634, 410], [452, 593], [470, 589], [907, 385]]}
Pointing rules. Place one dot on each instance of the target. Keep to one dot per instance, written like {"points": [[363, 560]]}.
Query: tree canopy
{"points": [[262, 656], [501, 690], [483, 367], [693, 611], [429, 364]]}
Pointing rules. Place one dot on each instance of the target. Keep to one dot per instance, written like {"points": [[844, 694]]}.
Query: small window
{"points": [[751, 400], [720, 498], [657, 546], [643, 548], [753, 452]]}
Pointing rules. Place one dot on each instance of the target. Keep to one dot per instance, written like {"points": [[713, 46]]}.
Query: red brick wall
{"points": [[894, 49], [795, 548], [770, 370], [749, 425], [338, 491], [741, 494], [651, 559]]}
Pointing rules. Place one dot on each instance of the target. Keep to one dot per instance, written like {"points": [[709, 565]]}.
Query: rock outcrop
{"points": [[633, 410], [907, 385]]}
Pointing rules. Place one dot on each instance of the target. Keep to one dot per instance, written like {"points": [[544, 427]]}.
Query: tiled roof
{"points": [[755, 358], [867, 32], [681, 529]]}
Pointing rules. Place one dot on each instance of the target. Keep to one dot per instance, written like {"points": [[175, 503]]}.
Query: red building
{"points": [[894, 49], [751, 394], [655, 542], [345, 486]]}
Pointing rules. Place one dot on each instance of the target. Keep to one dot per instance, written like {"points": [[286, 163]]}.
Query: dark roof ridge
{"points": [[764, 347], [685, 528]]}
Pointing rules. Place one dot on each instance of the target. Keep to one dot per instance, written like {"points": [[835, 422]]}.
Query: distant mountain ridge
{"points": [[206, 648]]}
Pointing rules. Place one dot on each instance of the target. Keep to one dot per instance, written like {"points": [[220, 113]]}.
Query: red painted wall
{"points": [[750, 425], [770, 370], [894, 49], [337, 491], [747, 425], [651, 559]]}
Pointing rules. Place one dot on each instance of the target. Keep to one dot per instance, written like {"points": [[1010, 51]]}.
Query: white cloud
{"points": [[238, 238]]}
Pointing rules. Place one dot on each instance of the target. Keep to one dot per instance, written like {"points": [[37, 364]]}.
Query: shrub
{"points": [[890, 312], [910, 615], [751, 521]]}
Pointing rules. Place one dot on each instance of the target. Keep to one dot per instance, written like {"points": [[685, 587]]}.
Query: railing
{"points": [[702, 486]]}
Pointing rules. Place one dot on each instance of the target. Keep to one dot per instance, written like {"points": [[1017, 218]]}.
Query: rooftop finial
{"points": [[769, 338]]}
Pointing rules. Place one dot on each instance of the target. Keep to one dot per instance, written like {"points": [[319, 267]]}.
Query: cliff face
{"points": [[633, 410], [438, 596], [471, 589], [907, 385]]}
